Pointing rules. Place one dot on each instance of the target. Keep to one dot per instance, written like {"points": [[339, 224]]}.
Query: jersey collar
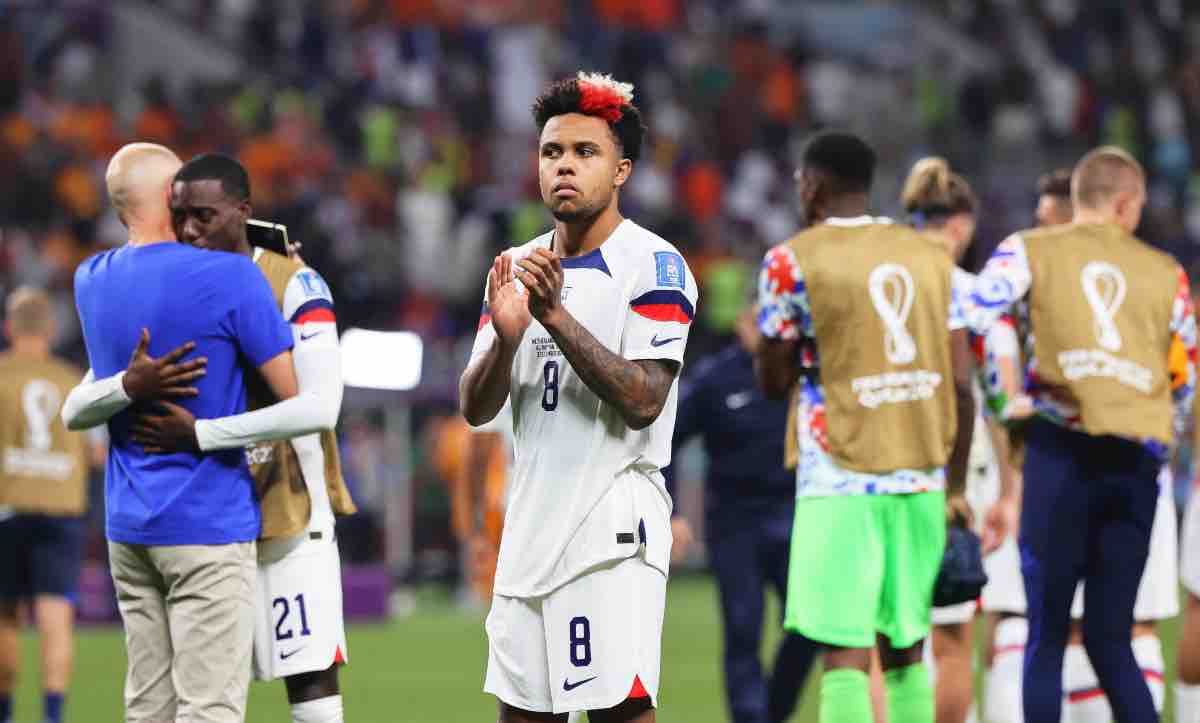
{"points": [[857, 220]]}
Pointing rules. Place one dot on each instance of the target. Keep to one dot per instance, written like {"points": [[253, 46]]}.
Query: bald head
{"points": [[139, 179], [27, 312]]}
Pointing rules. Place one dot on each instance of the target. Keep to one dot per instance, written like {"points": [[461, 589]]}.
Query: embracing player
{"points": [[584, 329], [299, 633]]}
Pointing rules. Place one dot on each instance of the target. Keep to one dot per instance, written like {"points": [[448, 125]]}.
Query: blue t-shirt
{"points": [[223, 303]]}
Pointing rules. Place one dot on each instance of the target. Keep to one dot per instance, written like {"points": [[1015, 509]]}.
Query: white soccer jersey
{"points": [[571, 507], [308, 307]]}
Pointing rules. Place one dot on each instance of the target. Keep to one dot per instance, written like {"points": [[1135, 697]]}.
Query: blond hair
{"points": [[135, 169], [1104, 173], [932, 190], [29, 312]]}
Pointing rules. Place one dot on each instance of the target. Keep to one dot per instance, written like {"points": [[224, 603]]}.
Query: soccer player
{"points": [[181, 527], [862, 314], [299, 631], [43, 496], [942, 204], [749, 502], [1114, 346], [1004, 596], [584, 331]]}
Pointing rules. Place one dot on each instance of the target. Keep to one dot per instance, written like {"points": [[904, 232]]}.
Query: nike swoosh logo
{"points": [[306, 337], [569, 686], [655, 341], [285, 656]]}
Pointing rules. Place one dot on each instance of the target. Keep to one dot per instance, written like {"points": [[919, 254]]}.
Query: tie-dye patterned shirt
{"points": [[786, 315], [1000, 292]]}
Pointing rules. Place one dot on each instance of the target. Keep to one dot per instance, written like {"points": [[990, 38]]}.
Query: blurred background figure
{"points": [[749, 501], [43, 497]]}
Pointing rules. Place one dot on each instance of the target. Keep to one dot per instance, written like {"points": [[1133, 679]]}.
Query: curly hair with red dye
{"points": [[600, 96]]}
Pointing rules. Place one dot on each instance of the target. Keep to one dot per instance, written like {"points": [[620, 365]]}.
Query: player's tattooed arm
{"points": [[638, 389]]}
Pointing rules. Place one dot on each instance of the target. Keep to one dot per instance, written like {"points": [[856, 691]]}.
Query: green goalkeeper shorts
{"points": [[862, 564]]}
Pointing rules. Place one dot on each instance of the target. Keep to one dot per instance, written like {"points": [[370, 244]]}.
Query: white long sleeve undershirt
{"points": [[315, 408], [318, 363], [92, 403]]}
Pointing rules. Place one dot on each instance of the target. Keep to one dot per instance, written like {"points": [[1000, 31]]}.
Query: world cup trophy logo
{"points": [[892, 291], [1104, 289]]}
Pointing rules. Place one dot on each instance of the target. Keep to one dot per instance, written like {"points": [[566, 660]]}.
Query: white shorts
{"points": [[298, 623], [1158, 594], [582, 646], [954, 614], [1189, 564]]}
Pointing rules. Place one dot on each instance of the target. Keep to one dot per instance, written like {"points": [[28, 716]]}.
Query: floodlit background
{"points": [[394, 139]]}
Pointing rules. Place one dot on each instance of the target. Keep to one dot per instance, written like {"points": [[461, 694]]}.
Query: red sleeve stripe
{"points": [[662, 305], [315, 315], [314, 310]]}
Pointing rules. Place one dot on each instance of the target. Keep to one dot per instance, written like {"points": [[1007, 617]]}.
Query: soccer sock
{"points": [[1187, 702], [1085, 700], [321, 710], [1147, 650], [52, 707], [5, 708], [845, 696], [1003, 702], [909, 694]]}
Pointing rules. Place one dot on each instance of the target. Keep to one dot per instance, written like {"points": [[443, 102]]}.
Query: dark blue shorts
{"points": [[42, 556]]}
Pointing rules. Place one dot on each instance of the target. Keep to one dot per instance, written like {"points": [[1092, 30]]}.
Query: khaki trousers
{"points": [[189, 630]]}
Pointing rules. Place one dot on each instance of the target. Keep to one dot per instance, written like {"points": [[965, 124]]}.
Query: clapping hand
{"points": [[508, 307], [542, 274]]}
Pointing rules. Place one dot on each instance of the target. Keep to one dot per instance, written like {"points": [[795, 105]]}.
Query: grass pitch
{"points": [[428, 668]]}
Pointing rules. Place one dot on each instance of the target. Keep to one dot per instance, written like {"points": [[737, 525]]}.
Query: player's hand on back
{"points": [[169, 429], [509, 308], [147, 378], [542, 274]]}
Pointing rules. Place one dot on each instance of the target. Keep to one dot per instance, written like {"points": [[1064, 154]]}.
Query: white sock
{"points": [[1003, 702], [576, 717], [1085, 701], [1147, 649], [1187, 702], [321, 710]]}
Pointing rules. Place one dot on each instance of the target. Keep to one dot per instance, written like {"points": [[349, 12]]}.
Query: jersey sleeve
{"points": [[661, 308], [1182, 358], [783, 311], [260, 331], [307, 299], [308, 307], [961, 286], [1004, 281], [485, 333]]}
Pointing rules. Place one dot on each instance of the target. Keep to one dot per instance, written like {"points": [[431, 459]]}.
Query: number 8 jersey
{"points": [[586, 487]]}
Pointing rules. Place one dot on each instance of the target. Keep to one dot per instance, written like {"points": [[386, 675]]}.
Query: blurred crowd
{"points": [[393, 137]]}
